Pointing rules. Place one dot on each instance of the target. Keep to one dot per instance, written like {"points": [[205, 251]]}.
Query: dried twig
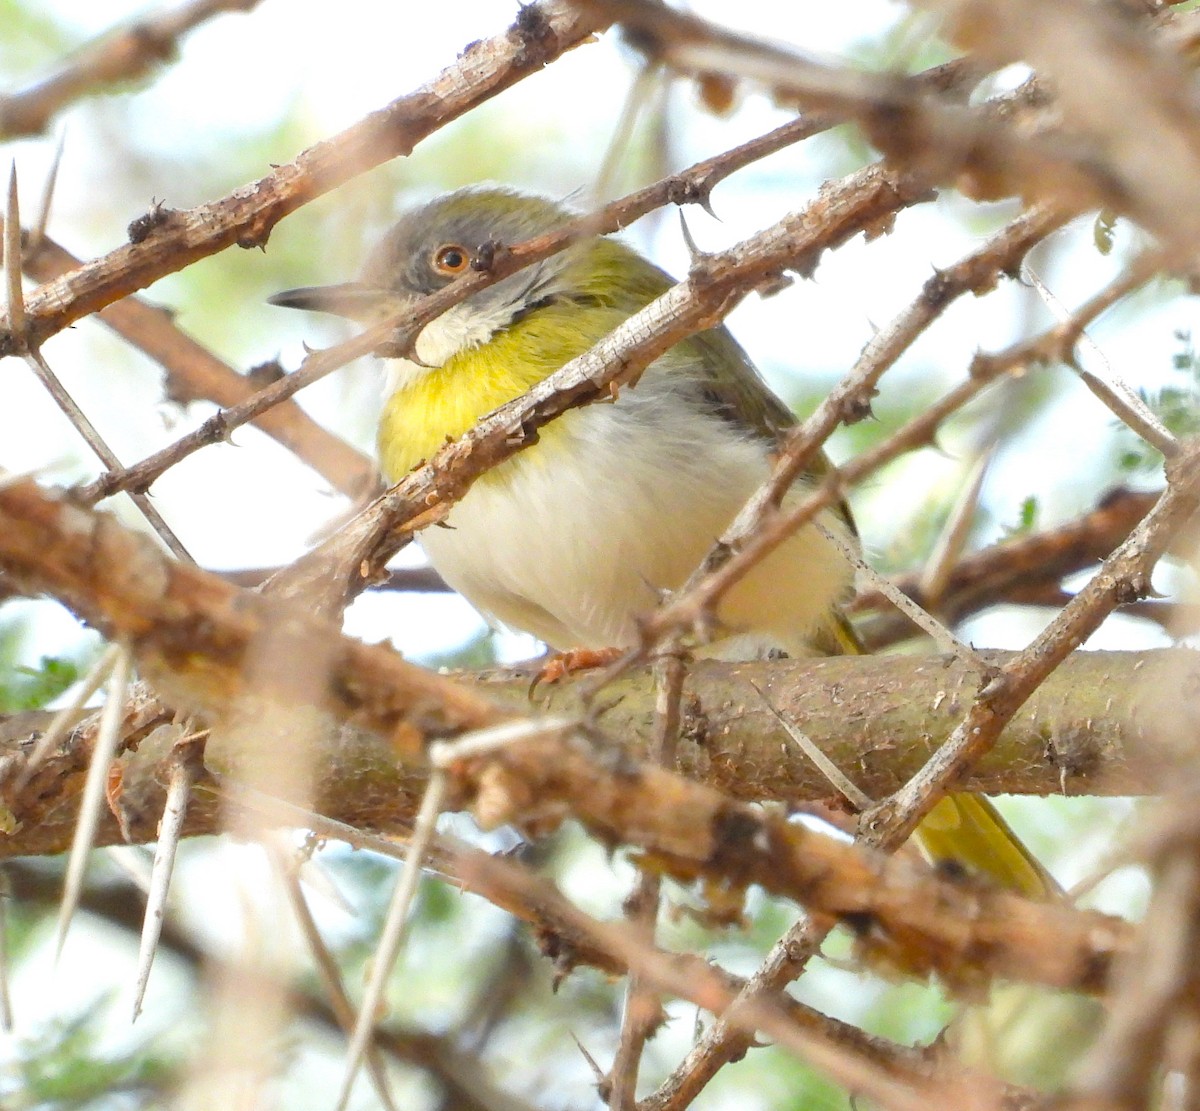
{"points": [[761, 527], [149, 329], [643, 1013], [838, 779], [6, 1008], [1130, 409], [100, 448], [1101, 164], [1124, 576], [326, 965], [1023, 569], [1154, 1011], [442, 755]]}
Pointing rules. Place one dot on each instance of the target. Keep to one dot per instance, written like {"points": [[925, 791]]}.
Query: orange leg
{"points": [[561, 664]]}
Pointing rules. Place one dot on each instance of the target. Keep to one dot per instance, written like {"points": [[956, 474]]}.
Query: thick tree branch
{"points": [[1090, 729], [878, 718]]}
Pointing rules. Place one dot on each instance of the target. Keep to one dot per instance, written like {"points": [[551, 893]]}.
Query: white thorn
{"points": [[107, 738]]}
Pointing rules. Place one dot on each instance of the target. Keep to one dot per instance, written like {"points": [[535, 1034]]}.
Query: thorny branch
{"points": [[165, 240], [644, 1014], [897, 910], [1124, 576], [193, 373], [1093, 161], [763, 524], [687, 829], [718, 281], [1027, 569]]}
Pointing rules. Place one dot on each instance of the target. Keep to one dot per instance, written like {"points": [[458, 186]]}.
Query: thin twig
{"points": [[837, 778], [1124, 577], [643, 1014], [33, 357], [37, 235], [693, 185], [392, 934], [135, 862], [1116, 394], [326, 965], [194, 373], [922, 618], [760, 528], [6, 1008], [1022, 569], [983, 152], [441, 754], [121, 55], [168, 241], [948, 548], [100, 448]]}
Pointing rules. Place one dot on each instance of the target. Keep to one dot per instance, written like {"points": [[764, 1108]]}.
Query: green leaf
{"points": [[31, 688], [1026, 519]]}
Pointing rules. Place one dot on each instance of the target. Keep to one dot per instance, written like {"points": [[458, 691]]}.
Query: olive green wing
{"points": [[730, 386]]}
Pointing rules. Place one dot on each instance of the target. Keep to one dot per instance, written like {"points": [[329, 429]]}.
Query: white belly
{"points": [[571, 541]]}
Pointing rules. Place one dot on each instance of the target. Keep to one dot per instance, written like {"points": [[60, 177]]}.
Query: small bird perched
{"points": [[576, 536]]}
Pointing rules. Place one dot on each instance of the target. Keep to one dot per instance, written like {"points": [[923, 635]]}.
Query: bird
{"points": [[577, 537]]}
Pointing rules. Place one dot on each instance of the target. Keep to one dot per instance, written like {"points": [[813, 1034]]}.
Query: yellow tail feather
{"points": [[968, 830], [962, 829]]}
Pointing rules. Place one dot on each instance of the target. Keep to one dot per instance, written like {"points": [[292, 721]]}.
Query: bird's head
{"points": [[435, 243]]}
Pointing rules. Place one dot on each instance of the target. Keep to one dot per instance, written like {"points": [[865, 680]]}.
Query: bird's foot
{"points": [[561, 664]]}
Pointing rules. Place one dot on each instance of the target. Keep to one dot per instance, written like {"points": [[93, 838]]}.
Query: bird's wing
{"points": [[745, 400]]}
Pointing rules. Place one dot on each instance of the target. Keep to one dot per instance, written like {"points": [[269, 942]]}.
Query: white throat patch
{"points": [[458, 329]]}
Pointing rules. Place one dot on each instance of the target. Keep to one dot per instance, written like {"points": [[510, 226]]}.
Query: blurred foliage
{"points": [[474, 655], [1176, 405], [1027, 522], [32, 38], [30, 688], [64, 1067], [1103, 233], [33, 686]]}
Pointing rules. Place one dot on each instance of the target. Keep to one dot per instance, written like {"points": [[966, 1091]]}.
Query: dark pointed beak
{"points": [[350, 299]]}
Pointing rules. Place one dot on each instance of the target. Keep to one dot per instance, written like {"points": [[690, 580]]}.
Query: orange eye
{"points": [[451, 259]]}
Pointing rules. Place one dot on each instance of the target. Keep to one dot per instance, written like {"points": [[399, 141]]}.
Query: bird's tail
{"points": [[967, 831], [963, 830]]}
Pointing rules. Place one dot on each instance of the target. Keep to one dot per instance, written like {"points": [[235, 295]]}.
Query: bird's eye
{"points": [[451, 259]]}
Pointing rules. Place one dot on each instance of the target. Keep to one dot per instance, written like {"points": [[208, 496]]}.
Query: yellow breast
{"points": [[441, 403]]}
